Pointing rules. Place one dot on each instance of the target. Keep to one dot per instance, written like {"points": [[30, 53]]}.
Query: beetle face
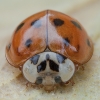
{"points": [[48, 68]]}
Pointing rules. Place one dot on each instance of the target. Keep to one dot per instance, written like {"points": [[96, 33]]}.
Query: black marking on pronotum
{"points": [[35, 59], [66, 41], [41, 67], [47, 56], [20, 26], [60, 58], [58, 22], [28, 43], [88, 43], [36, 23], [53, 66], [76, 24]]}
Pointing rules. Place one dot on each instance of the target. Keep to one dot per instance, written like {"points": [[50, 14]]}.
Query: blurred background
{"points": [[12, 84]]}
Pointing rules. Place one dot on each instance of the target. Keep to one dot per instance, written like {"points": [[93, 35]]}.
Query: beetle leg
{"points": [[20, 68], [82, 66], [77, 67], [70, 81]]}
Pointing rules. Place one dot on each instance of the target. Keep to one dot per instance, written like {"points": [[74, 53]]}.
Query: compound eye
{"points": [[66, 70]]}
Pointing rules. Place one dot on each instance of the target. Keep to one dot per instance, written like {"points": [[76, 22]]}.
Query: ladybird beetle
{"points": [[47, 46]]}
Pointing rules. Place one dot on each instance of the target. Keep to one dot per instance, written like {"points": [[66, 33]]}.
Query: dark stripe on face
{"points": [[35, 59], [28, 43], [53, 66], [60, 58], [19, 27], [76, 24], [41, 67]]}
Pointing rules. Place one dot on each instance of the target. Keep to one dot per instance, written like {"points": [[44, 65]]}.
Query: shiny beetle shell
{"points": [[53, 30]]}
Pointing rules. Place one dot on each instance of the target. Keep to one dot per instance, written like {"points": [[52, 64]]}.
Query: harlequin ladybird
{"points": [[47, 46]]}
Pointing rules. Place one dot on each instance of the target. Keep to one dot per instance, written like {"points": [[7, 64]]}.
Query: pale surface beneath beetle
{"points": [[87, 82]]}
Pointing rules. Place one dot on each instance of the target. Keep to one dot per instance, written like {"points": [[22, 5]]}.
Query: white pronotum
{"points": [[63, 68]]}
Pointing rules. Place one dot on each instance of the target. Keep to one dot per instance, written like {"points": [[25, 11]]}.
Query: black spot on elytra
{"points": [[53, 66], [28, 43], [58, 22], [33, 22], [47, 57], [78, 47], [60, 58], [35, 59], [41, 67], [36, 23], [66, 41], [8, 46], [19, 27], [88, 43], [76, 24]]}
